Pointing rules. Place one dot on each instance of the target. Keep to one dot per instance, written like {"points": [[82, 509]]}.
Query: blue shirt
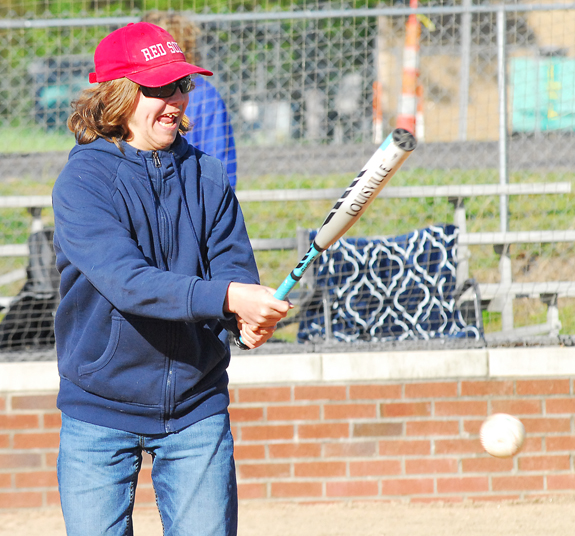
{"points": [[212, 133]]}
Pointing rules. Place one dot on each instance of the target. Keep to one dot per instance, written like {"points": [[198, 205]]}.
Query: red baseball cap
{"points": [[143, 53]]}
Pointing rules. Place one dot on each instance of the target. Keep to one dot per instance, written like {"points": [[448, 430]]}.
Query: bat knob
{"points": [[240, 344]]}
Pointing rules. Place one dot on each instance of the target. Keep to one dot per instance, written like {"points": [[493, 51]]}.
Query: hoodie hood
{"points": [[180, 148]]}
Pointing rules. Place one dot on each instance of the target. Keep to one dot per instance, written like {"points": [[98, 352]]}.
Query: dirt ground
{"points": [[548, 517]]}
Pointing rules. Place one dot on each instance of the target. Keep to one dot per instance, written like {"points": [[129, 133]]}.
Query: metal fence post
{"points": [[464, 69], [505, 259]]}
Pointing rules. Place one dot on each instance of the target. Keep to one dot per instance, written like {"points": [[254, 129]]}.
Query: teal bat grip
{"points": [[291, 280]]}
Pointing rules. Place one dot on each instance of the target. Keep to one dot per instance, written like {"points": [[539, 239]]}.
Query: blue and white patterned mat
{"points": [[383, 289]]}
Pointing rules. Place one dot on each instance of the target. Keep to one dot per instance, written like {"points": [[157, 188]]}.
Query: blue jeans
{"points": [[193, 474]]}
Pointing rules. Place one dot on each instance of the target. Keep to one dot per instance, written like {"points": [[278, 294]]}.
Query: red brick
{"points": [[517, 406], [407, 486], [349, 411], [319, 469], [251, 491], [486, 464], [51, 458], [543, 387], [560, 482], [145, 476], [377, 429], [145, 496], [23, 499], [266, 432], [20, 460], [147, 460], [544, 463], [320, 392], [431, 390], [457, 446], [36, 479], [233, 396], [264, 470], [397, 447], [295, 450], [52, 420], [405, 409], [532, 444], [375, 392], [486, 388], [465, 484], [546, 425], [555, 443], [239, 415], [19, 422], [293, 413], [375, 468], [431, 428], [460, 407], [350, 449], [323, 431], [264, 394], [517, 482], [52, 498], [560, 405], [363, 488], [4, 441], [2, 403], [5, 480], [472, 426], [47, 440], [27, 402], [249, 452], [427, 466], [284, 490]]}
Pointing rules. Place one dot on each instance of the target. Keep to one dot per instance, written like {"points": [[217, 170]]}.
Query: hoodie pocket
{"points": [[133, 365]]}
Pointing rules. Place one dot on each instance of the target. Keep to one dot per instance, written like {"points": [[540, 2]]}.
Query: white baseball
{"points": [[502, 435]]}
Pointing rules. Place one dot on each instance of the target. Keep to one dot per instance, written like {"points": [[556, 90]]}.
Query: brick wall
{"points": [[416, 441], [317, 440]]}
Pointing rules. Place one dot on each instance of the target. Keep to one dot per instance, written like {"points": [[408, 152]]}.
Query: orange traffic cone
{"points": [[377, 120], [406, 116]]}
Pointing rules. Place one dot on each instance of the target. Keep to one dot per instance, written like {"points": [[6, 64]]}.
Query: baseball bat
{"points": [[374, 176]]}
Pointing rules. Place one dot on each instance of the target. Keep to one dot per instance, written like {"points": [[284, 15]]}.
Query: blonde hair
{"points": [[182, 29], [103, 111]]}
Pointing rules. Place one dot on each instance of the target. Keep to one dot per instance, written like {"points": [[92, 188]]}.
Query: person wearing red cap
{"points": [[156, 267], [212, 130]]}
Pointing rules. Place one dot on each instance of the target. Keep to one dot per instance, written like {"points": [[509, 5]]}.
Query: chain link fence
{"points": [[312, 88]]}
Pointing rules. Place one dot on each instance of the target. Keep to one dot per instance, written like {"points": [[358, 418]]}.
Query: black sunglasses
{"points": [[185, 84]]}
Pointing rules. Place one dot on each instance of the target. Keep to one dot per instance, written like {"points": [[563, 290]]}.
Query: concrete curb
{"points": [[348, 367]]}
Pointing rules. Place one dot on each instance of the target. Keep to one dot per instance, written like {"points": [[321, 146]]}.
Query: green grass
{"points": [[34, 140], [531, 262]]}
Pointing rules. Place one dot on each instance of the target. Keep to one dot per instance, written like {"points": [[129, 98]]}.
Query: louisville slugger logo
{"points": [[367, 190]]}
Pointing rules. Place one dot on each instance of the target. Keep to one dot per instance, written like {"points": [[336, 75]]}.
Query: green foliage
{"points": [[531, 262]]}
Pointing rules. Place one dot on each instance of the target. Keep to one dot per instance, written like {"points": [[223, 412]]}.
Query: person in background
{"points": [[212, 130], [156, 265]]}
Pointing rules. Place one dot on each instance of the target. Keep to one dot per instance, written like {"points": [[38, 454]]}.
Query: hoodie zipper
{"points": [[164, 241]]}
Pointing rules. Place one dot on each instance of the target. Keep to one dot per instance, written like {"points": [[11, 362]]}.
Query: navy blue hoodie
{"points": [[146, 244]]}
